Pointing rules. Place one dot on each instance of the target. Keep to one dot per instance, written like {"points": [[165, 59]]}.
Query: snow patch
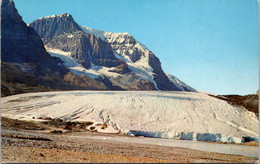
{"points": [[77, 69], [54, 16], [70, 36]]}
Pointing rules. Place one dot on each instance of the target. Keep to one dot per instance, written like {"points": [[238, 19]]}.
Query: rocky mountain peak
{"points": [[62, 16], [8, 9], [19, 42], [63, 33], [55, 25]]}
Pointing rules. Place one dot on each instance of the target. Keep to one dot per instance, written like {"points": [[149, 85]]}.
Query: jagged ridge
{"points": [[116, 56]]}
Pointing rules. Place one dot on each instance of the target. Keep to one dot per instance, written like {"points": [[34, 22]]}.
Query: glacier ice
{"points": [[160, 114]]}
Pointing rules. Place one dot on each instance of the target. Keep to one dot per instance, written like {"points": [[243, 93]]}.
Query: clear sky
{"points": [[212, 45]]}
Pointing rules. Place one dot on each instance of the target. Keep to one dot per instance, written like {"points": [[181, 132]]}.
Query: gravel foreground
{"points": [[19, 145]]}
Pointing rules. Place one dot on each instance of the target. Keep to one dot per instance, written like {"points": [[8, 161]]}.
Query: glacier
{"points": [[160, 114]]}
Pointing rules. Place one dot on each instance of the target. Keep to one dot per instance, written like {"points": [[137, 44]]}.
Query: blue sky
{"points": [[212, 45]]}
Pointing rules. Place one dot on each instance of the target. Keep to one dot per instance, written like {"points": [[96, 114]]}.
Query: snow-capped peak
{"points": [[135, 54], [55, 16]]}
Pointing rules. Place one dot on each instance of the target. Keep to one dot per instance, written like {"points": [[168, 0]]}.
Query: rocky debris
{"points": [[68, 125], [56, 131], [25, 137], [103, 128], [63, 148], [93, 128], [47, 118], [47, 123], [7, 123]]}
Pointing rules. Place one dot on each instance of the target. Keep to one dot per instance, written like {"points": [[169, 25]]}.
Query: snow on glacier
{"points": [[176, 115]]}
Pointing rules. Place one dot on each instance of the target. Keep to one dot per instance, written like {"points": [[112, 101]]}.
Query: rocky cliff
{"points": [[25, 64], [63, 33]]}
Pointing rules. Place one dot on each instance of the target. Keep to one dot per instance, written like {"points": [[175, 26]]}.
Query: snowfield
{"points": [[176, 115]]}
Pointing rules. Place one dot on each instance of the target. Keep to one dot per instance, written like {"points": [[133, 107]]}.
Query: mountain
{"points": [[116, 59], [25, 64], [63, 33], [55, 53]]}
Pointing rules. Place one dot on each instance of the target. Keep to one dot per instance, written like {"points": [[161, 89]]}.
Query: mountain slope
{"points": [[25, 64]]}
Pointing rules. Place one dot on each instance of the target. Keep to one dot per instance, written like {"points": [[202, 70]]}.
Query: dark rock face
{"points": [[163, 83], [19, 43], [25, 64], [122, 69], [55, 26], [62, 32]]}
